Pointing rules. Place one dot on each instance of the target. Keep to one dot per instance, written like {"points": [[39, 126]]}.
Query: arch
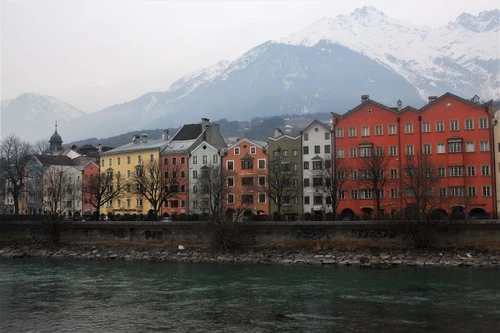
{"points": [[478, 214], [457, 213], [367, 212], [347, 214], [439, 214], [247, 212]]}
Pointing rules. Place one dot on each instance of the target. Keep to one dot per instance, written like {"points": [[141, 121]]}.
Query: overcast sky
{"points": [[93, 54]]}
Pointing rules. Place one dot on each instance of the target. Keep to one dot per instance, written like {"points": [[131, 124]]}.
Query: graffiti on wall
{"points": [[153, 234], [311, 233], [373, 233]]}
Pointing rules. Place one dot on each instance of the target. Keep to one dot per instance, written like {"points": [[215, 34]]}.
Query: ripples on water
{"points": [[47, 295]]}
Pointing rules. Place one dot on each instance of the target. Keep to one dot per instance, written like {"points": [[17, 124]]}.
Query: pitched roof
{"points": [[138, 146], [188, 132]]}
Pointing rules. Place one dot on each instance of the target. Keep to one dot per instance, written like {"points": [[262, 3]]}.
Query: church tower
{"points": [[55, 142]]}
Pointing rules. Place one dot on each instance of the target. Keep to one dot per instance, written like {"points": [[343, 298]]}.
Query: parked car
{"points": [[166, 219]]}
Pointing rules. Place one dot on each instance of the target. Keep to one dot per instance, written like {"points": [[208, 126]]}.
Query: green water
{"points": [[49, 295]]}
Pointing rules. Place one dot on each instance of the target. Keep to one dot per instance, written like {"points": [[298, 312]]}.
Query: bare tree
{"points": [[97, 189], [213, 191], [283, 182], [148, 182], [41, 147], [333, 184], [54, 189], [373, 175], [14, 156]]}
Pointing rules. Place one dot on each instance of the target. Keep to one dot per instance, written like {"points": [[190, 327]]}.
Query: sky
{"points": [[94, 54]]}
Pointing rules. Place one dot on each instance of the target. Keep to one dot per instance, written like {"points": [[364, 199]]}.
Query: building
{"points": [[245, 173], [496, 146], [316, 163], [285, 193], [399, 161]]}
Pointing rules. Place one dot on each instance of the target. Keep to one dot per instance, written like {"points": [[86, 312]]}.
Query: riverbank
{"points": [[286, 256]]}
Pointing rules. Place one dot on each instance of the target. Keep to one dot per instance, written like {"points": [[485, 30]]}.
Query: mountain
{"points": [[33, 116]]}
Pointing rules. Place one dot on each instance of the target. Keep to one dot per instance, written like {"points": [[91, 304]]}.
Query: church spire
{"points": [[55, 141]]}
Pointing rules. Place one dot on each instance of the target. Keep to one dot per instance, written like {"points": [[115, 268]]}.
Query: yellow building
{"points": [[122, 163]]}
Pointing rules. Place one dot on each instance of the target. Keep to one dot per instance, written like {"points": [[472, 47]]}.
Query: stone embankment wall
{"points": [[478, 234]]}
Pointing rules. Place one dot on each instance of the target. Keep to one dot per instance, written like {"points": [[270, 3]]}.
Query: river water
{"points": [[62, 295]]}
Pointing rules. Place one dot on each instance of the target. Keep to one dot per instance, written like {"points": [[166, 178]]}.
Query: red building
{"points": [[91, 169], [438, 159], [245, 172]]}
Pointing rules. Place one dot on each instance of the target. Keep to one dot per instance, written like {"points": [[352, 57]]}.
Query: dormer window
{"points": [[236, 151]]}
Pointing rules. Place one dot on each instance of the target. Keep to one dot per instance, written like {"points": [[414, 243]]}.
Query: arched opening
{"points": [[247, 215], [347, 214], [439, 214], [367, 213], [230, 215], [457, 213], [478, 214]]}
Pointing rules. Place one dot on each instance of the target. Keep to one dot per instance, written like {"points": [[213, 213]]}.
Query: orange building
{"points": [[449, 140], [245, 170]]}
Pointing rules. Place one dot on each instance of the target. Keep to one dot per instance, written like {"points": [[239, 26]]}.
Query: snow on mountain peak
{"points": [[485, 21]]}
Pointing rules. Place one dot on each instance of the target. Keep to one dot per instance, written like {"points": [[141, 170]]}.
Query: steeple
{"points": [[55, 141]]}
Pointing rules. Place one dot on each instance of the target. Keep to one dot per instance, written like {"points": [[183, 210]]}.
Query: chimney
{"points": [[165, 135], [400, 105], [432, 98], [277, 133], [204, 123], [144, 138], [364, 97], [476, 99], [99, 148], [135, 138]]}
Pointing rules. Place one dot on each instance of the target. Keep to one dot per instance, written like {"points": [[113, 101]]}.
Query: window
{"points": [[408, 127], [204, 159], [183, 174], [318, 200], [366, 174], [471, 170], [426, 127], [230, 165], [352, 132], [455, 171], [306, 165], [138, 202], [317, 181], [295, 152], [183, 160], [195, 174], [341, 196], [469, 147], [457, 191], [366, 194], [471, 191], [454, 147], [426, 149], [285, 153], [215, 158], [246, 164], [392, 129], [440, 148], [262, 198], [306, 137], [230, 181], [174, 174], [247, 198], [262, 180], [394, 193], [339, 132], [317, 165], [354, 194], [439, 126], [379, 130], [195, 189], [485, 170], [442, 192], [327, 149], [230, 198], [379, 151], [365, 131], [317, 149], [236, 151], [253, 150], [353, 152], [409, 149], [393, 173], [486, 191], [247, 181], [118, 160], [128, 203], [110, 162], [483, 123], [393, 150], [306, 150], [195, 159], [453, 125], [262, 164], [295, 166], [307, 200], [327, 135], [484, 145], [340, 153], [128, 159], [441, 172], [365, 151], [469, 124], [306, 182], [353, 174]]}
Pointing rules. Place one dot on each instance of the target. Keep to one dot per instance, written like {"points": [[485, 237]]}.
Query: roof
{"points": [[138, 146], [316, 122], [179, 146], [253, 142], [79, 162], [188, 132]]}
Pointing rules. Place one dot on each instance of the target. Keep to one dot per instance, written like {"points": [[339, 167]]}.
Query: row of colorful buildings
{"points": [[372, 161]]}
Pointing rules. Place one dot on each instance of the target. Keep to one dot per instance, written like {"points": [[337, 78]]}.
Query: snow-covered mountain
{"points": [[33, 116], [461, 57]]}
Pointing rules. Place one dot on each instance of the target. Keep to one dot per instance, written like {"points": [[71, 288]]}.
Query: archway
{"points": [[367, 212], [230, 215], [347, 214], [439, 214], [478, 214], [457, 213], [247, 215]]}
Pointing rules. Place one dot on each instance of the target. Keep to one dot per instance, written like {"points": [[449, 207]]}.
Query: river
{"points": [[71, 295]]}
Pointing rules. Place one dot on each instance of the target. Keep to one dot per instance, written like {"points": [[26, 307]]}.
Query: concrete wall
{"points": [[351, 234]]}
